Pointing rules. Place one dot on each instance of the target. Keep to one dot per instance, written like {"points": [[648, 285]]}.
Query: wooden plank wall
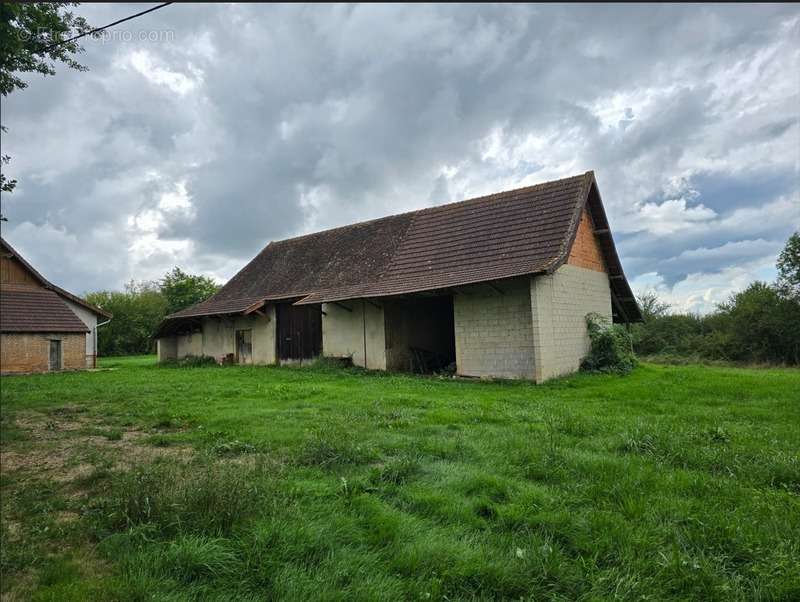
{"points": [[13, 272]]}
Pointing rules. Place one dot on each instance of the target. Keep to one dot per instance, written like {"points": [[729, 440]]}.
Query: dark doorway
{"points": [[244, 346], [420, 334], [55, 355], [299, 331]]}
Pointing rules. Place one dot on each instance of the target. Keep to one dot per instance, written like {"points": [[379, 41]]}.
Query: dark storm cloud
{"points": [[257, 122]]}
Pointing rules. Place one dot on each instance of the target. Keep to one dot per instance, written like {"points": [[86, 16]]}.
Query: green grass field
{"points": [[166, 483]]}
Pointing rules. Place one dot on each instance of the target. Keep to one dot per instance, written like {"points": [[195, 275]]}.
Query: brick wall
{"points": [[30, 352], [559, 305], [585, 251], [494, 337]]}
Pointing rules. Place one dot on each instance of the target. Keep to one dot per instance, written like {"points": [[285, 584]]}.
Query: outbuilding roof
{"points": [[514, 233], [30, 309], [7, 248]]}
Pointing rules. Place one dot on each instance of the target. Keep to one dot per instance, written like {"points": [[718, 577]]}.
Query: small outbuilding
{"points": [[42, 327], [496, 286]]}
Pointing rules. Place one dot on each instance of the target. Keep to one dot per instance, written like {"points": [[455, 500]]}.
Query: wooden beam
{"points": [[373, 304], [342, 305], [254, 307], [495, 288], [617, 277], [619, 307], [602, 231]]}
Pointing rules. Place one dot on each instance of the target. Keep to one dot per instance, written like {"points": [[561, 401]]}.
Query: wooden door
{"points": [[244, 346], [299, 331], [55, 355]]}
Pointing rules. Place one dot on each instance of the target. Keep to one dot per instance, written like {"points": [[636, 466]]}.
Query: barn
{"points": [[497, 286], [42, 327]]}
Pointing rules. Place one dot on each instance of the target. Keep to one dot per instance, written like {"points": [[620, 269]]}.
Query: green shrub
{"points": [[610, 350], [192, 361]]}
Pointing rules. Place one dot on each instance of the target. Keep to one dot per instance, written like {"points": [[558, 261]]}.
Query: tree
{"points": [[27, 32], [651, 306], [760, 325], [137, 312], [182, 290], [789, 268]]}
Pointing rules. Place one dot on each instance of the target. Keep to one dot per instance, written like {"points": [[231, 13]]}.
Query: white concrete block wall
{"points": [[559, 305], [343, 333], [494, 335]]}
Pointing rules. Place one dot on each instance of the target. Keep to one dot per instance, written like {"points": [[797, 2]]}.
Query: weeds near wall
{"points": [[611, 347]]}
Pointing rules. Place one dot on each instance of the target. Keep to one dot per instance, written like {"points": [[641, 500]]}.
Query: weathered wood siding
{"points": [[13, 272]]}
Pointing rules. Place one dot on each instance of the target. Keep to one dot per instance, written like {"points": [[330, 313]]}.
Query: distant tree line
{"points": [[760, 324], [142, 305]]}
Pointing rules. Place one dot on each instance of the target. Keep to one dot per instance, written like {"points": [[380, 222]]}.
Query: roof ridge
{"points": [[580, 202], [414, 212]]}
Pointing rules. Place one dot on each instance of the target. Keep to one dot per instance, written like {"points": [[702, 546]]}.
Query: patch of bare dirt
{"points": [[58, 447]]}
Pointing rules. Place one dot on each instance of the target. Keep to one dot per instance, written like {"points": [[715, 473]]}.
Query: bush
{"points": [[191, 361], [611, 349], [760, 324]]}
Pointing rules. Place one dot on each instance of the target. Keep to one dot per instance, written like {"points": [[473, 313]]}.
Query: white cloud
{"points": [[263, 121], [701, 292], [155, 72]]}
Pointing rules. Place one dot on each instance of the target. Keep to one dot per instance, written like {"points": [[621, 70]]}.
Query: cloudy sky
{"points": [[201, 132]]}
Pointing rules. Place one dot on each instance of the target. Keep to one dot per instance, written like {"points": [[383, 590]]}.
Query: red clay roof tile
{"points": [[33, 309]]}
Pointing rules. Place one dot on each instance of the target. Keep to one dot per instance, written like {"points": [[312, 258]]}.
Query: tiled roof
{"points": [[519, 232], [32, 309], [49, 285], [296, 267]]}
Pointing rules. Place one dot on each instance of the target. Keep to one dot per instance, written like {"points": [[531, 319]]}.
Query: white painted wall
{"points": [[494, 337], [345, 333], [217, 338], [559, 305], [219, 335], [167, 349], [90, 319], [190, 344]]}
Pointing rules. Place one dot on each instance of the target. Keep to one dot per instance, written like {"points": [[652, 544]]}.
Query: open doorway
{"points": [[420, 334]]}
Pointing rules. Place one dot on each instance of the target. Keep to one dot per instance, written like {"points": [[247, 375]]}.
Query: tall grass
{"points": [[671, 483], [203, 497]]}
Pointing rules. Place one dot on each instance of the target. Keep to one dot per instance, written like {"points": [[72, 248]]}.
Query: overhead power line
{"points": [[98, 29]]}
